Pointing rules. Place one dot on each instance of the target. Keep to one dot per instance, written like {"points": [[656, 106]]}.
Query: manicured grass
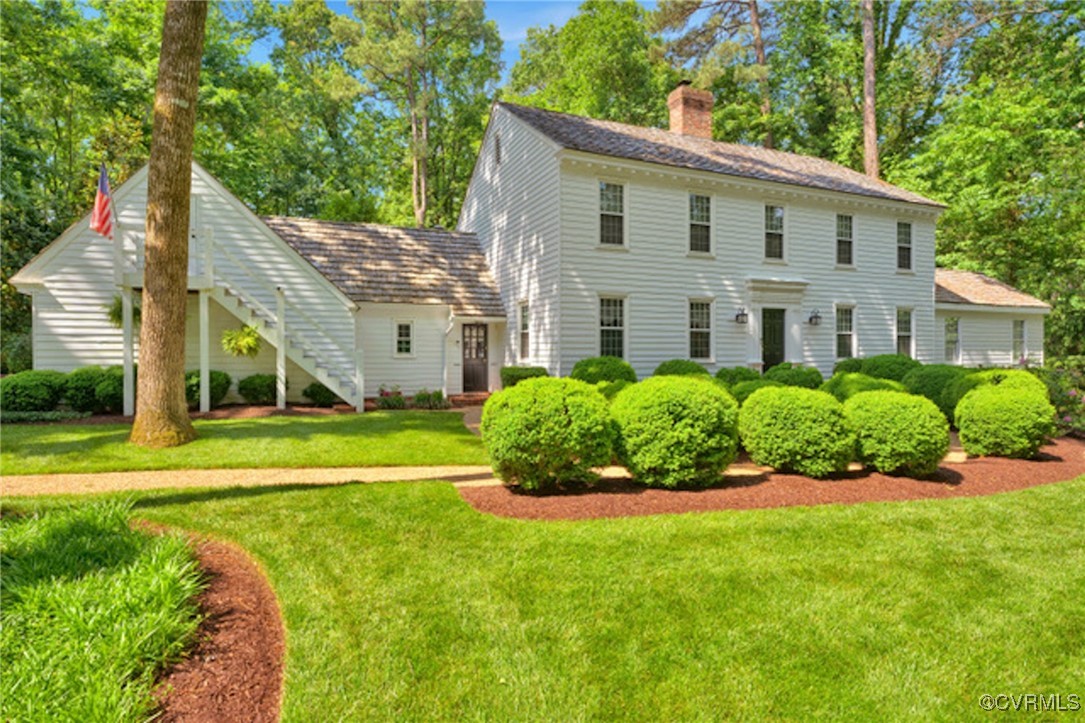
{"points": [[401, 602], [90, 611], [362, 440]]}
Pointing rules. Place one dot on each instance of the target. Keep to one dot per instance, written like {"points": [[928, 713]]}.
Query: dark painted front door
{"points": [[772, 337], [475, 378]]}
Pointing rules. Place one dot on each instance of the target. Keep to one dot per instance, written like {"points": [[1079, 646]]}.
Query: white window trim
{"points": [[711, 253], [786, 236], [836, 242], [521, 353], [896, 247], [624, 246], [395, 339], [711, 358], [1016, 358], [854, 327], [599, 323], [896, 329], [958, 352]]}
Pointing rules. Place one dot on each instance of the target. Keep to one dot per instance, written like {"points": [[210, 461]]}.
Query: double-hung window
{"points": [[845, 332], [774, 232], [904, 332], [611, 214], [904, 246], [612, 326], [845, 240], [1020, 349], [525, 331], [700, 330], [700, 223], [953, 340], [404, 338]]}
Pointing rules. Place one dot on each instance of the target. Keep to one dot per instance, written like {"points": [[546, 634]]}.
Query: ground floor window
{"points": [[525, 334], [700, 330], [845, 332], [953, 340], [904, 332], [404, 338], [1020, 348], [612, 326]]}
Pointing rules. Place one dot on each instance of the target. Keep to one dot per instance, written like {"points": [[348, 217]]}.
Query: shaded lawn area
{"points": [[349, 440], [401, 602]]}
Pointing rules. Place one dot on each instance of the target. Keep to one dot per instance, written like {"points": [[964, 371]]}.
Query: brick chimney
{"points": [[691, 111]]}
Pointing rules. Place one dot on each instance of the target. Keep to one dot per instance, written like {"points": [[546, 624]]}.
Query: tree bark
{"points": [[870, 119], [161, 411], [759, 51]]}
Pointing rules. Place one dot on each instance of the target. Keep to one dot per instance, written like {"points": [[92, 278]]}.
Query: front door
{"points": [[475, 378], [772, 337]]}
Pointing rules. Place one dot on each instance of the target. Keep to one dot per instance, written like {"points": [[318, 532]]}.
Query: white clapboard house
{"points": [[577, 237]]}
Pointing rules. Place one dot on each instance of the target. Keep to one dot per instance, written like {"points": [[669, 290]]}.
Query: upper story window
{"points": [[525, 333], [904, 332], [904, 246], [1020, 348], [845, 252], [953, 340], [497, 149], [700, 223], [612, 326], [700, 330], [845, 332], [774, 232], [611, 214], [404, 338]]}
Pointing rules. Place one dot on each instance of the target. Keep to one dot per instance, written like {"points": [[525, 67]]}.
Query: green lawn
{"points": [[362, 440], [401, 602]]}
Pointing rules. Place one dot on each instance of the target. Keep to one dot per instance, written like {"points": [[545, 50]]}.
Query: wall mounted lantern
{"points": [[815, 318], [742, 317]]}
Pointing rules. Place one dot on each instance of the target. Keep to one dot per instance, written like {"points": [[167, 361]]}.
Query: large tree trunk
{"points": [[161, 412], [870, 120], [759, 51]]}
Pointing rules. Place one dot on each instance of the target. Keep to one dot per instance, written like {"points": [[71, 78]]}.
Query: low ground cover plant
{"points": [[734, 375], [548, 432], [679, 367], [844, 385], [91, 611], [1004, 421], [898, 433], [676, 431], [888, 366], [511, 376], [603, 369], [220, 387], [35, 390], [796, 429], [795, 375]]}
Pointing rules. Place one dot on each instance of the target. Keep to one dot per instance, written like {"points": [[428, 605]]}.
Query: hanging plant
{"points": [[241, 342], [115, 311]]}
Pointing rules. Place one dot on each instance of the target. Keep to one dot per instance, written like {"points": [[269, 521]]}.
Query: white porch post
{"points": [[205, 352], [280, 348], [129, 352], [359, 363]]}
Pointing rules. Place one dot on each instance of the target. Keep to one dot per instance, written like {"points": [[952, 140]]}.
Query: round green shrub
{"points": [[735, 375], [79, 389], [897, 432], [220, 387], [954, 392], [110, 391], [546, 432], [676, 431], [603, 369], [888, 366], [845, 385], [679, 367], [258, 389], [931, 380], [36, 390], [511, 376], [743, 390], [1004, 421], [320, 395], [957, 389], [796, 429], [611, 389], [848, 366], [795, 375]]}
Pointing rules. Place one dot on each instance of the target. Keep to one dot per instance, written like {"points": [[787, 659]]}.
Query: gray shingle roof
{"points": [[654, 145], [952, 286], [386, 264]]}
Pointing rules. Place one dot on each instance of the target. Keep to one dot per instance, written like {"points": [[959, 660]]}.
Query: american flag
{"points": [[101, 218]]}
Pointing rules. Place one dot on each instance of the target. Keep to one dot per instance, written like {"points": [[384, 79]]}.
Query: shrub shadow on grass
{"points": [[628, 486], [229, 493]]}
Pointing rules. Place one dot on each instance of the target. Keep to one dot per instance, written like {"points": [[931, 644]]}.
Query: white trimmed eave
{"points": [[991, 308], [721, 183]]}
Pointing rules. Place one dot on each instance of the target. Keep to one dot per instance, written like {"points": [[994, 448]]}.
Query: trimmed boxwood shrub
{"points": [[511, 376], [258, 389], [796, 429], [743, 390], [931, 380], [40, 417], [320, 395], [36, 390], [845, 385], [548, 432], [1004, 421], [736, 375], [110, 391], [848, 366], [676, 431], [795, 375], [679, 367], [956, 390], [220, 387], [79, 389], [897, 432], [888, 366], [603, 369], [611, 389]]}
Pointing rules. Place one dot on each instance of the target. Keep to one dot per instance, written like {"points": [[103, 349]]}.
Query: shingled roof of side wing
{"points": [[387, 264], [952, 286], [653, 145]]}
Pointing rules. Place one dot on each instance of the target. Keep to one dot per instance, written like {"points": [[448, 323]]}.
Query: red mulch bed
{"points": [[1063, 460], [235, 671]]}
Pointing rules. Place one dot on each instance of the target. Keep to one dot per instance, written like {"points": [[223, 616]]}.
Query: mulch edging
{"points": [[1057, 462], [235, 671]]}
